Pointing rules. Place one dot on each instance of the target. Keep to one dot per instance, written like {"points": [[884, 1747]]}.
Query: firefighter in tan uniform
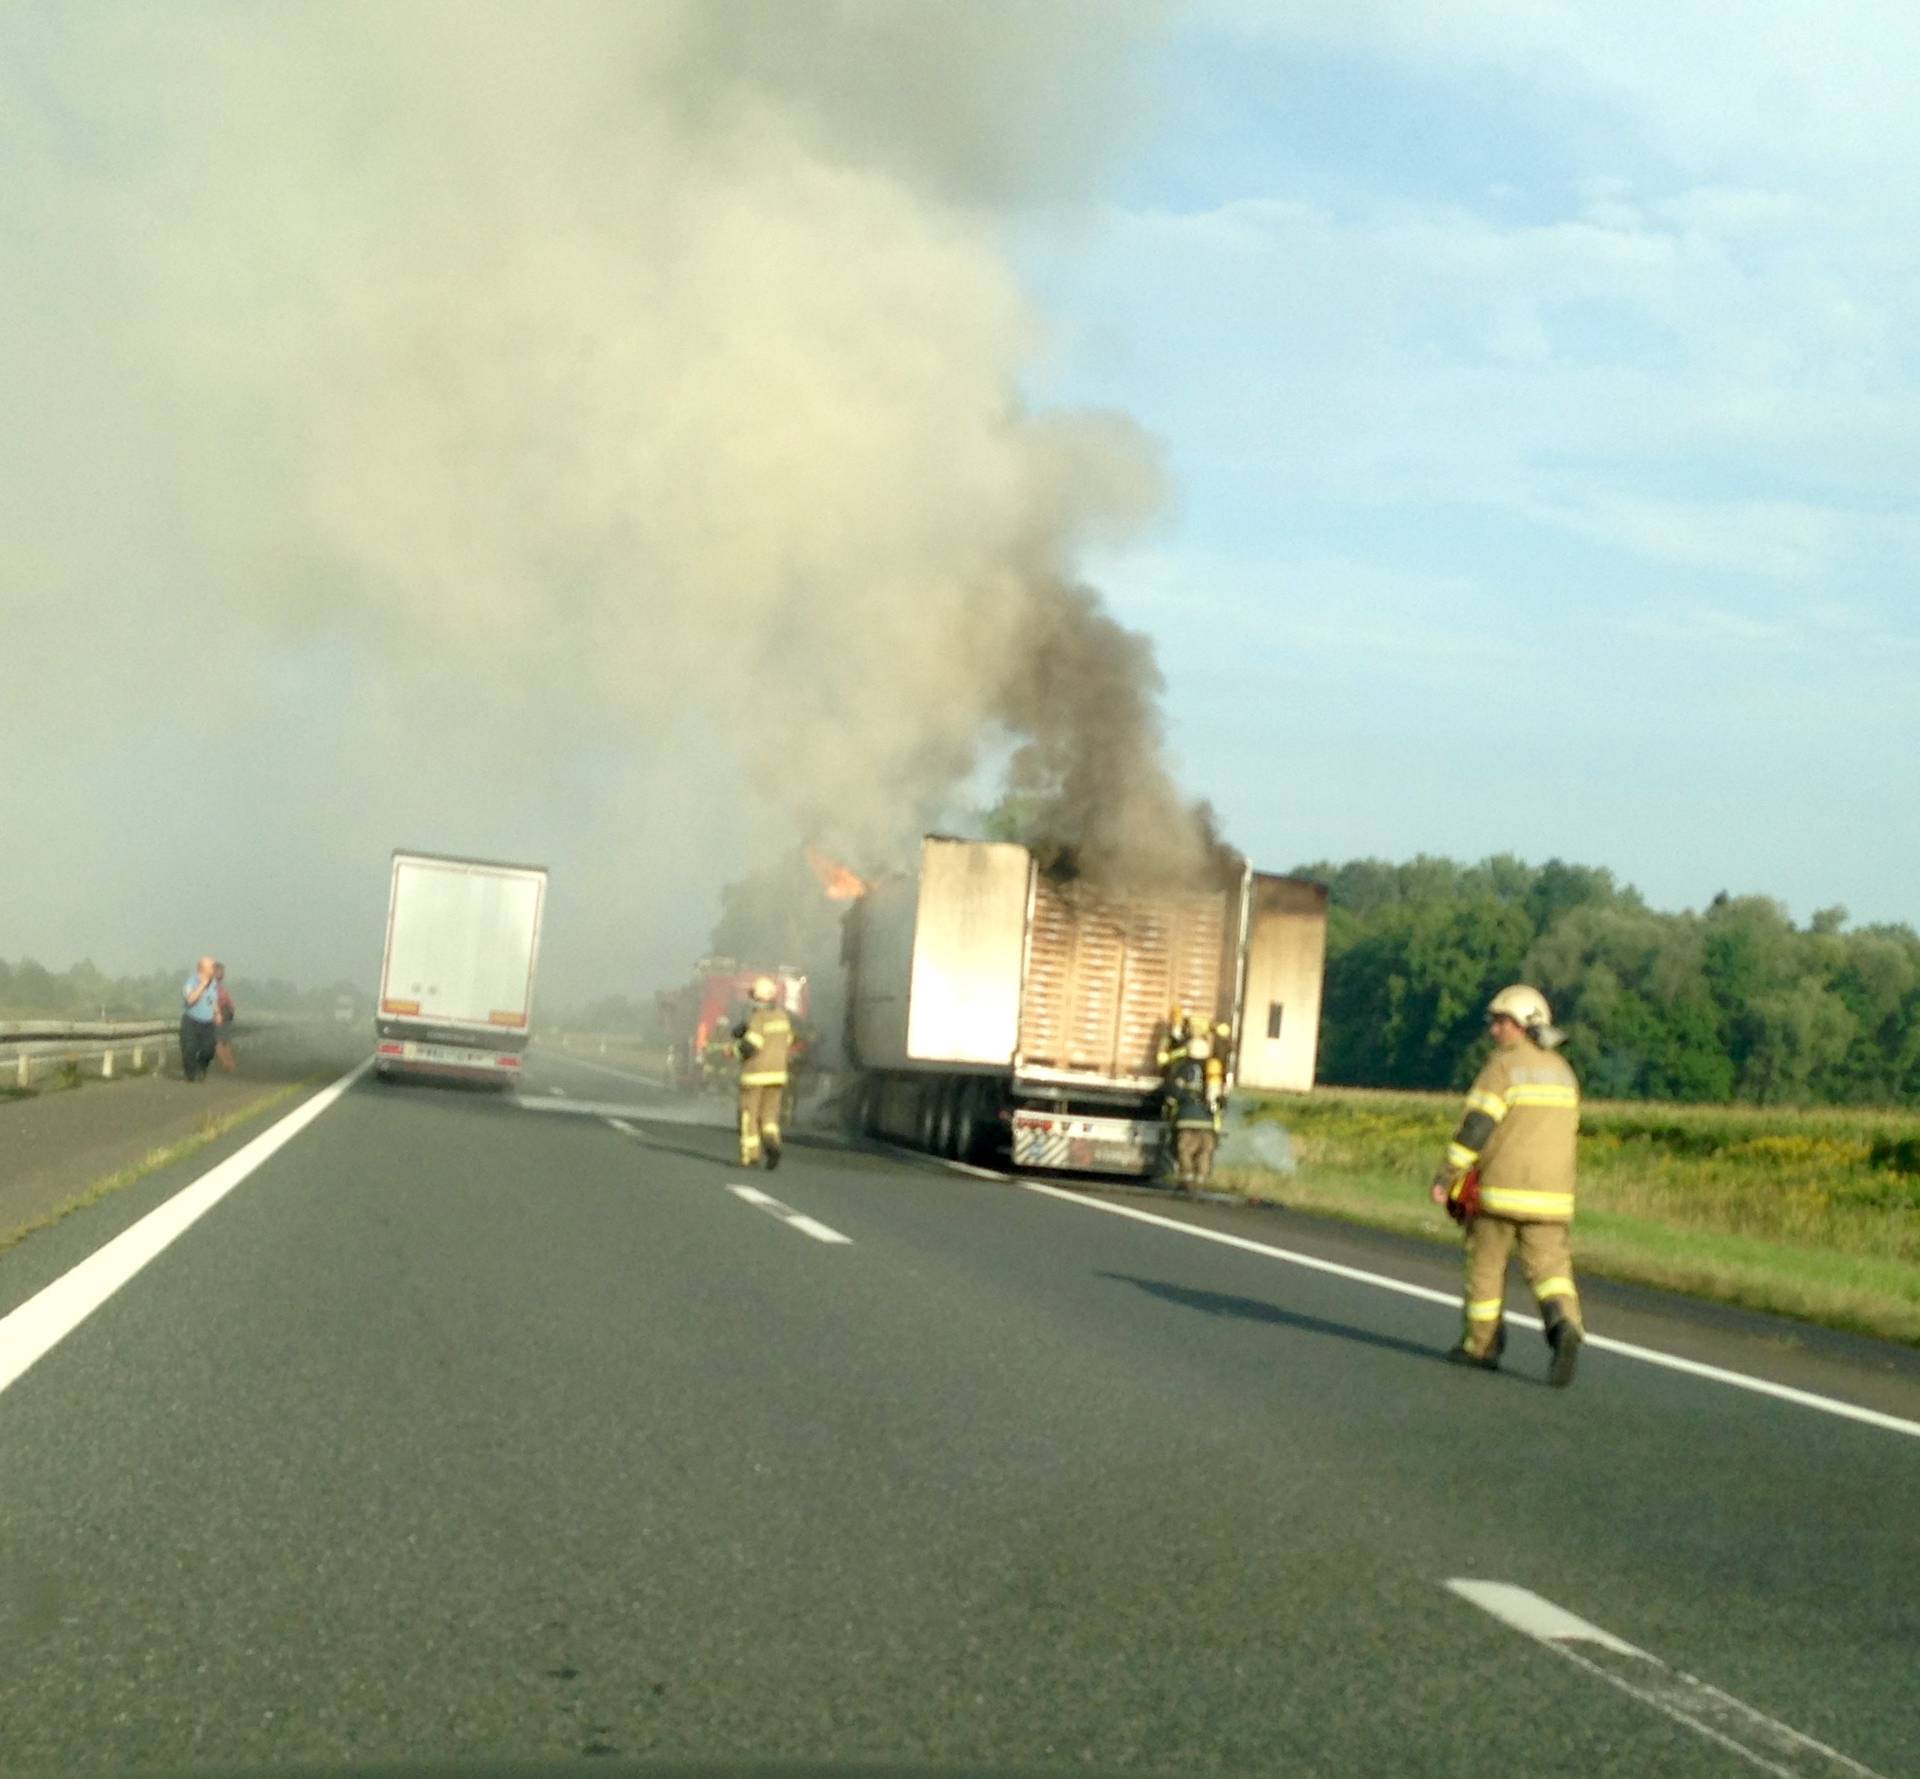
{"points": [[1508, 1178], [764, 1043]]}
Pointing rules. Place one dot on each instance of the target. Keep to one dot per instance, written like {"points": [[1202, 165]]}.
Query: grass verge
{"points": [[1813, 1214], [210, 1131]]}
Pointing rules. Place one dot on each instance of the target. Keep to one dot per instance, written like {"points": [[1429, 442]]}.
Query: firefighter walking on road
{"points": [[1190, 1108], [1508, 1179], [764, 1044]]}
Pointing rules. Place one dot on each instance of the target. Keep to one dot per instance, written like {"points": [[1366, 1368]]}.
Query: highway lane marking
{"points": [[788, 1215], [1739, 1380], [32, 1330], [621, 1125], [558, 1092], [701, 1117], [1770, 1745], [580, 1062]]}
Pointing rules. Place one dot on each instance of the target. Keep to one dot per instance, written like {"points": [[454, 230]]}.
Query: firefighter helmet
{"points": [[1526, 1007], [764, 990], [1200, 1048]]}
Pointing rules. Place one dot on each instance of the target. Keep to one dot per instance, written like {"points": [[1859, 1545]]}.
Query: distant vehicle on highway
{"points": [[996, 1010], [456, 979]]}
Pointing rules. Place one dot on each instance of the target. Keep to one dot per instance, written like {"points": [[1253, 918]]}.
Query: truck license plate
{"points": [[448, 1053]]}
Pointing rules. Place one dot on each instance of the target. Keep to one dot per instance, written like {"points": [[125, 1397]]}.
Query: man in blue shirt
{"points": [[202, 996]]}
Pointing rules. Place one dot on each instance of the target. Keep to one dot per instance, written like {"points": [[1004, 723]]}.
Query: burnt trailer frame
{"points": [[993, 1008]]}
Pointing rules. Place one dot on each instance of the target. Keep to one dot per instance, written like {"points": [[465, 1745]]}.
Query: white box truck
{"points": [[995, 1010], [456, 982]]}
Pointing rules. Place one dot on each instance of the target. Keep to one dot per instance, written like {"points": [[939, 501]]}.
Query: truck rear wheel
{"points": [[944, 1108], [965, 1129]]}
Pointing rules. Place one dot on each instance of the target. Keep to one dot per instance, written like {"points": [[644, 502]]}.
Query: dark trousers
{"points": [[196, 1046]]}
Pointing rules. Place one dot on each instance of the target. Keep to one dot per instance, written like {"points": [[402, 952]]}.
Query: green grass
{"points": [[1813, 1213]]}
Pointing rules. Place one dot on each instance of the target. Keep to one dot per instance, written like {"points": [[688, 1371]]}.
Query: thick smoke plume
{"points": [[645, 377]]}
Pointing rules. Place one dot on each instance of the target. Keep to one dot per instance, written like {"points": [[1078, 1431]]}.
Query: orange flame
{"points": [[840, 884]]}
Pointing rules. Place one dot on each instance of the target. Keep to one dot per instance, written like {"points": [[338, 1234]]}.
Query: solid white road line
{"points": [[1770, 1745], [51, 1314], [774, 1208], [621, 1125], [1739, 1380]]}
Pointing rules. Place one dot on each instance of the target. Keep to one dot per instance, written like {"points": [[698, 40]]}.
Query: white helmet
{"points": [[764, 990], [1523, 1005], [1526, 1007], [1200, 1048]]}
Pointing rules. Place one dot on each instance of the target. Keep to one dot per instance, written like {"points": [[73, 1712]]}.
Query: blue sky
{"points": [[1537, 389]]}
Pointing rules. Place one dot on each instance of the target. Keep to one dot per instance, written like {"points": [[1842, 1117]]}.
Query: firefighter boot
{"points": [[1487, 1359], [1564, 1337], [770, 1145]]}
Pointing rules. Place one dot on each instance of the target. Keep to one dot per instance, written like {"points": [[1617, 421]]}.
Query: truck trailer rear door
{"points": [[1103, 968], [1280, 992]]}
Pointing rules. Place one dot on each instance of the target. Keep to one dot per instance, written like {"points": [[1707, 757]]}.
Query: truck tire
{"points": [[966, 1123], [926, 1114], [944, 1107]]}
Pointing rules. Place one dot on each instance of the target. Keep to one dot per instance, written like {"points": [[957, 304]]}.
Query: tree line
{"points": [[29, 990], [1733, 1002]]}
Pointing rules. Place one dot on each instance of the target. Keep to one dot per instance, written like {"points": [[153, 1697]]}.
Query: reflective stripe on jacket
{"points": [[1521, 1131], [766, 1044]]}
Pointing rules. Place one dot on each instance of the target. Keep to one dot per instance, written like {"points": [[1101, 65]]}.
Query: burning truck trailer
{"points": [[997, 1010]]}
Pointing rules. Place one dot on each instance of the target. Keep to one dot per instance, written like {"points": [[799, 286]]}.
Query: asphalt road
{"points": [[58, 1142], [461, 1429]]}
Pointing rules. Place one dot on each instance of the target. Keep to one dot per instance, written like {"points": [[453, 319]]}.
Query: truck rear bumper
{"points": [[460, 1062], [1066, 1140]]}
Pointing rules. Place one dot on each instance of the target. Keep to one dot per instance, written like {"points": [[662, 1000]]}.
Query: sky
{"points": [[637, 450], [1538, 388]]}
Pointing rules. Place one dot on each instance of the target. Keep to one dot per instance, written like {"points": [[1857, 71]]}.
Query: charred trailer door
{"points": [[1104, 968], [1286, 959]]}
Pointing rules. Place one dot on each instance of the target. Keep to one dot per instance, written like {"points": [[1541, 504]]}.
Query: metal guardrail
{"points": [[27, 1030], [33, 1047]]}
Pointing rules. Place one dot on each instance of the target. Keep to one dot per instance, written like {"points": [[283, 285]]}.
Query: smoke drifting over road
{"points": [[642, 379]]}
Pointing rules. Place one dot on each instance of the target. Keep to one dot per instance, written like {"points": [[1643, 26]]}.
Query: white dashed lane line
{"points": [[762, 1201], [1758, 1739]]}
